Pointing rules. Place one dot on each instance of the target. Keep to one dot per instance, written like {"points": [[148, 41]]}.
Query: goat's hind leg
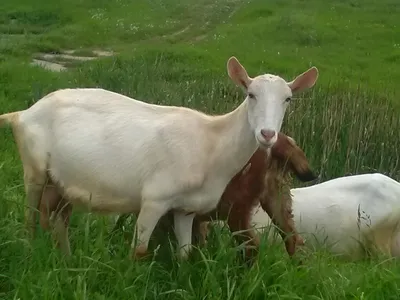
{"points": [[35, 179], [200, 231], [55, 213], [34, 186], [240, 227], [280, 212], [60, 224]]}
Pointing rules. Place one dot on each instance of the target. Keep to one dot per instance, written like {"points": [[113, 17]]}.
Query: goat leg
{"points": [[53, 207], [280, 212], [239, 225], [200, 231]]}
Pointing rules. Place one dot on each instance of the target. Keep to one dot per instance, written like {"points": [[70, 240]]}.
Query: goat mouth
{"points": [[263, 143]]}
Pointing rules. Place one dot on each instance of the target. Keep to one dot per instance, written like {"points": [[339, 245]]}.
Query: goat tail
{"points": [[10, 118]]}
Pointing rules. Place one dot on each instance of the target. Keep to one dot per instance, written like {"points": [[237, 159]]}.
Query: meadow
{"points": [[175, 52]]}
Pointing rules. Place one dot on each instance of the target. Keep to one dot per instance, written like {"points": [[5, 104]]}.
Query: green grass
{"points": [[175, 52]]}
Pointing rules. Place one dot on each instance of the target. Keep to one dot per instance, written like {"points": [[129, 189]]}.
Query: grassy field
{"points": [[175, 52]]}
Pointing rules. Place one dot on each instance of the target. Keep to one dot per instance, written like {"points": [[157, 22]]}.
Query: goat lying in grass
{"points": [[349, 215], [114, 154], [265, 179]]}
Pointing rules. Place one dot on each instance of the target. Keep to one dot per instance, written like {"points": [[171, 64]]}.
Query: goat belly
{"points": [[201, 201], [101, 203]]}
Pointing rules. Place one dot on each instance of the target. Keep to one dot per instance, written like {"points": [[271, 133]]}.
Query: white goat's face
{"points": [[267, 98]]}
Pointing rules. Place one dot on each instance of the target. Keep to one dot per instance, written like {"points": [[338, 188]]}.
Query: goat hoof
{"points": [[140, 252]]}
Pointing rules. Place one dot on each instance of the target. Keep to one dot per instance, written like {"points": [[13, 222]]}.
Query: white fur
{"points": [[327, 214], [115, 154]]}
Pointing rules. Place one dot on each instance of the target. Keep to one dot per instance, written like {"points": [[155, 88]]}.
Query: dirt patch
{"points": [[103, 53], [51, 66], [88, 53], [65, 57], [57, 62]]}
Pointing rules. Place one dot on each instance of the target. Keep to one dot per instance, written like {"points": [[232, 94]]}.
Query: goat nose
{"points": [[268, 134]]}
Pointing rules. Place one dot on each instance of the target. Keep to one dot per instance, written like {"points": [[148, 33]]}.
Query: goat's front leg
{"points": [[280, 212], [149, 215], [239, 225], [183, 223]]}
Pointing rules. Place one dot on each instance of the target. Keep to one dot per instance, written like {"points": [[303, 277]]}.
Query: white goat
{"points": [[114, 154], [347, 214]]}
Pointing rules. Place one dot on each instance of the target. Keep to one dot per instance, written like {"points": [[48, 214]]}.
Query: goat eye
{"points": [[288, 99], [251, 95]]}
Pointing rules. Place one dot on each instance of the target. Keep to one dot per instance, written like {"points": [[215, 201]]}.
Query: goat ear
{"points": [[238, 73], [287, 150], [306, 176], [300, 165], [304, 81], [297, 160]]}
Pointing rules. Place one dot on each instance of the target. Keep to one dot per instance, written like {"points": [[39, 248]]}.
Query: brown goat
{"points": [[262, 180]]}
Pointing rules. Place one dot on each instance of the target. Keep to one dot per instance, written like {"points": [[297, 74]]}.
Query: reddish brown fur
{"points": [[263, 181], [276, 198], [238, 199]]}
